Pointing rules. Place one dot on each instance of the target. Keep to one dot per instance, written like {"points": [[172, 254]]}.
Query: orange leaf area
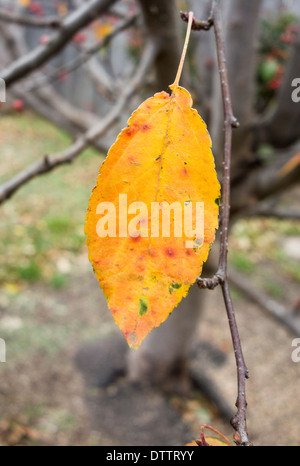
{"points": [[203, 441], [163, 157]]}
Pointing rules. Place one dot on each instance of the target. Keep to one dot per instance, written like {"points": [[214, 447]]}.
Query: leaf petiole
{"points": [[183, 55]]}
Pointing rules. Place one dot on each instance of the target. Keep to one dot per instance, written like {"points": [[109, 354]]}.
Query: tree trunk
{"points": [[282, 127], [204, 60], [162, 25], [164, 352], [241, 19]]}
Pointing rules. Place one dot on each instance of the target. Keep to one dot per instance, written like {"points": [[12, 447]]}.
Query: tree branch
{"points": [[83, 57], [49, 163], [267, 180], [41, 54], [26, 20], [239, 420], [271, 307], [197, 25]]}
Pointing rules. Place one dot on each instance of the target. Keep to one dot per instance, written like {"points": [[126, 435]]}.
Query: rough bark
{"points": [[162, 26]]}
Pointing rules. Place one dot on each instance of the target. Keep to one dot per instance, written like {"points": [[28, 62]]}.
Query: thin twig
{"points": [[26, 20], [49, 163], [238, 422]]}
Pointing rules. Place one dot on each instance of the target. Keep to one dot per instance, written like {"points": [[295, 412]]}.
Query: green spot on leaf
{"points": [[174, 286], [143, 307]]}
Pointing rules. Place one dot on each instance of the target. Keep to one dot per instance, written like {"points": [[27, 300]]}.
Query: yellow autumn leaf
{"points": [[62, 9], [24, 3], [159, 172], [101, 29]]}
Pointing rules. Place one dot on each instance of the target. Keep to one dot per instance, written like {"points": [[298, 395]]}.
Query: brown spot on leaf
{"points": [[129, 131], [184, 171], [169, 252]]}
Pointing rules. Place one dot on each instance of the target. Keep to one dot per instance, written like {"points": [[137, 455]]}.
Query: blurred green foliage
{"points": [[276, 37]]}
